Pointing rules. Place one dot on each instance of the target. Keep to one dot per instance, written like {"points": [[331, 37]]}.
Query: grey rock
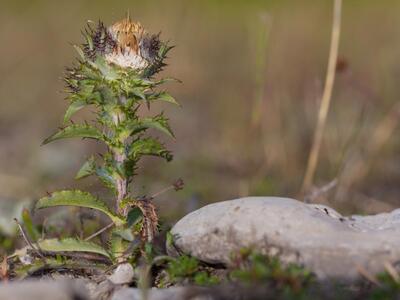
{"points": [[43, 290], [123, 274], [315, 236], [173, 293]]}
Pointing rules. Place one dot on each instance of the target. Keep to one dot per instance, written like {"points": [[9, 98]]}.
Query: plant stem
{"points": [[122, 184], [120, 158]]}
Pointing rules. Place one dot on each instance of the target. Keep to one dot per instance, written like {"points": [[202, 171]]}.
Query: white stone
{"points": [[123, 274], [315, 236]]}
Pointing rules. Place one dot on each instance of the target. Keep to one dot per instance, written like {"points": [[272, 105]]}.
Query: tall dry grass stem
{"points": [[326, 99]]}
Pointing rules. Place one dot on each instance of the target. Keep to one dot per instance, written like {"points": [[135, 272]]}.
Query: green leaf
{"points": [[118, 245], [163, 96], [138, 92], [105, 69], [165, 80], [149, 146], [134, 216], [71, 245], [124, 233], [107, 176], [106, 93], [31, 229], [73, 108], [88, 168], [158, 122], [76, 130], [80, 199]]}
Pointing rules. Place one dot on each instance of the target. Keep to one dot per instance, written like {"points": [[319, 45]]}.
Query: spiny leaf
{"points": [[77, 198], [149, 146], [165, 80], [88, 168], [71, 245], [158, 122], [164, 96], [73, 108], [139, 93], [106, 70], [106, 93], [76, 130], [107, 177]]}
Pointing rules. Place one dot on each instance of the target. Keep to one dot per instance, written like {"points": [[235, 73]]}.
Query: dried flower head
{"points": [[125, 43]]}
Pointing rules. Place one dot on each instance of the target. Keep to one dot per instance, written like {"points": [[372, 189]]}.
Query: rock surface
{"points": [[123, 274], [175, 293], [43, 290], [315, 236]]}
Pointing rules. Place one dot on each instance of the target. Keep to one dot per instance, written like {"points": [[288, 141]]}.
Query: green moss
{"points": [[253, 268], [186, 269], [389, 288]]}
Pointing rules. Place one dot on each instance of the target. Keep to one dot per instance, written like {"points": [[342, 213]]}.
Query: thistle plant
{"points": [[114, 75]]}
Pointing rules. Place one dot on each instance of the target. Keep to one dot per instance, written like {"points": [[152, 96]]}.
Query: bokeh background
{"points": [[253, 73]]}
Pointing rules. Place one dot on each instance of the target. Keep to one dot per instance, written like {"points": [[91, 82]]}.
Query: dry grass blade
{"points": [[392, 271], [326, 99], [363, 272]]}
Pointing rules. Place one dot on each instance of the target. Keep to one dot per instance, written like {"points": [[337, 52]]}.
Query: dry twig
{"points": [[99, 232], [26, 239], [363, 272], [177, 185]]}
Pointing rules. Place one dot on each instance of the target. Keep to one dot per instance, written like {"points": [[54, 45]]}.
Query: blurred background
{"points": [[253, 74]]}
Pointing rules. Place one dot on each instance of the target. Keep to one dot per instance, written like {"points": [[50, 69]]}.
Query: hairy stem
{"points": [[122, 183], [120, 158]]}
